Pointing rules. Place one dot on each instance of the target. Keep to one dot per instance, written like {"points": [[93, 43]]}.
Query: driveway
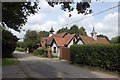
{"points": [[35, 67]]}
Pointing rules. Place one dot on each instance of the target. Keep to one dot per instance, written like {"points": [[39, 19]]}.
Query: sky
{"points": [[105, 23]]}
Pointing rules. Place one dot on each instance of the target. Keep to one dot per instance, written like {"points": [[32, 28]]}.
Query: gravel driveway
{"points": [[35, 67]]}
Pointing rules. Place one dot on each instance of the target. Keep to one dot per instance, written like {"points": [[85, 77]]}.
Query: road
{"points": [[36, 67]]}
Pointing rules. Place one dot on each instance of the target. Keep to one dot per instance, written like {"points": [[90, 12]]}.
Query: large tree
{"points": [[14, 14], [82, 31], [63, 30], [31, 39], [82, 7], [74, 29]]}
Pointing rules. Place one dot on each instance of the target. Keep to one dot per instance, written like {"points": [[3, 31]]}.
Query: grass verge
{"points": [[8, 61]]}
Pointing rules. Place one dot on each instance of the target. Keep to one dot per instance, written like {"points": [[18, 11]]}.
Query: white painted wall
{"points": [[57, 50], [79, 42], [71, 43]]}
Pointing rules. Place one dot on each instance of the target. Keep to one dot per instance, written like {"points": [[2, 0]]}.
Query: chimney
{"points": [[94, 34]]}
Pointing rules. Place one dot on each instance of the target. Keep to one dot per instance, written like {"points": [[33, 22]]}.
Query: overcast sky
{"points": [[105, 23]]}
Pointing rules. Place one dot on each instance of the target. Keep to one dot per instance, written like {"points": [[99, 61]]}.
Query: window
{"points": [[54, 49]]}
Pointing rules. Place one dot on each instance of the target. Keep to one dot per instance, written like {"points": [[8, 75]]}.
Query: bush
{"points": [[40, 52], [103, 56], [19, 49], [8, 43]]}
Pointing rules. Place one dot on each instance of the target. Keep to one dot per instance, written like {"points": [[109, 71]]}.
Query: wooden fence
{"points": [[65, 53]]}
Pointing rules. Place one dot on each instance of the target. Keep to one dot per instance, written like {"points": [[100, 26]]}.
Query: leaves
{"points": [[74, 30], [14, 14], [103, 56]]}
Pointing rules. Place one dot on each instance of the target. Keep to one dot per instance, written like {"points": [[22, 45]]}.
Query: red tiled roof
{"points": [[65, 40], [68, 38], [59, 41], [50, 39], [90, 40]]}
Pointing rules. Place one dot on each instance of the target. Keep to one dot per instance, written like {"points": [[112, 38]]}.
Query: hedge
{"points": [[103, 56]]}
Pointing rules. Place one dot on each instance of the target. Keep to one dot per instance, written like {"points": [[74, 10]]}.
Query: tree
{"points": [[42, 34], [82, 31], [74, 29], [115, 40], [31, 40], [63, 30], [101, 35], [82, 7], [14, 14], [8, 43]]}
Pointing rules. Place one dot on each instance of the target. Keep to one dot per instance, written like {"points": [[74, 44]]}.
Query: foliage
{"points": [[82, 7], [43, 34], [31, 39], [14, 14], [103, 56], [8, 43], [40, 52], [82, 31], [63, 30], [19, 49], [8, 61], [73, 29], [20, 44], [115, 40]]}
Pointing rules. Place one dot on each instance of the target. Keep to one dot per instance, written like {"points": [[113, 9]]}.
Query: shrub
{"points": [[8, 43], [104, 56], [19, 49], [40, 52]]}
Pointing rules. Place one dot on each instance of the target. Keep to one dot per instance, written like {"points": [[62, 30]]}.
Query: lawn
{"points": [[8, 61]]}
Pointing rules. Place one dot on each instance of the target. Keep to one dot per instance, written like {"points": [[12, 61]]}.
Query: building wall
{"points": [[71, 43], [57, 50], [79, 42]]}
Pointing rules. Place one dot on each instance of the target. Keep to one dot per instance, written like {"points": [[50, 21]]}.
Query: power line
{"points": [[93, 15]]}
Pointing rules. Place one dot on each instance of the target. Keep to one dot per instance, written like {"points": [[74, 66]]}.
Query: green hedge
{"points": [[103, 56], [40, 52]]}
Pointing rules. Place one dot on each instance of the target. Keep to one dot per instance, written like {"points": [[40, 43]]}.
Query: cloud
{"points": [[108, 26], [49, 17]]}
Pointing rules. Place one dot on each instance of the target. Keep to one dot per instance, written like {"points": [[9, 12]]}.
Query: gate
{"points": [[65, 53]]}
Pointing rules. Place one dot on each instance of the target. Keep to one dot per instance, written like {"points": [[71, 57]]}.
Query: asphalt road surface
{"points": [[36, 67]]}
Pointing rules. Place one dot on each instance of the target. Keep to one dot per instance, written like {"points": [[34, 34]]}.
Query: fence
{"points": [[65, 53]]}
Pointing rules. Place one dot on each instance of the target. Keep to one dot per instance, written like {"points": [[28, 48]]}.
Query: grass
{"points": [[8, 61]]}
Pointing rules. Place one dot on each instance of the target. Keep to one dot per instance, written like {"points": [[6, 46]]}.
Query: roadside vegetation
{"points": [[102, 56], [8, 61], [19, 49], [41, 52]]}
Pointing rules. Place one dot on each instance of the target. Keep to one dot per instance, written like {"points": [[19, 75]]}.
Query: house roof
{"points": [[50, 39], [65, 40], [90, 40]]}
